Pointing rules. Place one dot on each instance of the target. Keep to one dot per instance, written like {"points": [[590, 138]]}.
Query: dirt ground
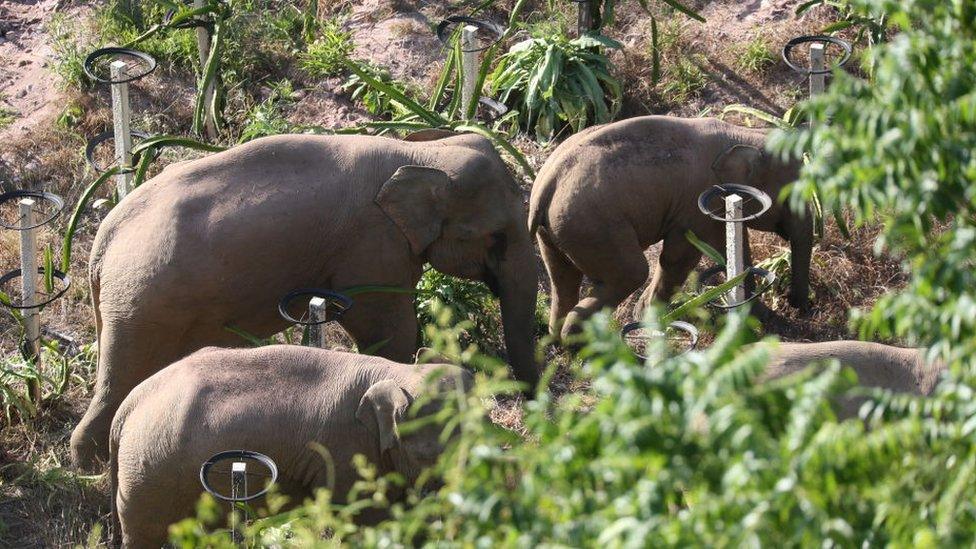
{"points": [[44, 504]]}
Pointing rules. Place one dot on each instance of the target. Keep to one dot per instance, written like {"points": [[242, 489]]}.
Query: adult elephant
{"points": [[217, 242], [606, 194]]}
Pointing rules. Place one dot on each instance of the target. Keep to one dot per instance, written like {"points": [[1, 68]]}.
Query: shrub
{"points": [[756, 56], [684, 79], [470, 302], [324, 56], [555, 83]]}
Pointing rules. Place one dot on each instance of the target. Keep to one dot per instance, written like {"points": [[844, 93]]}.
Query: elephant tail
{"points": [[542, 194], [116, 533], [113, 458]]}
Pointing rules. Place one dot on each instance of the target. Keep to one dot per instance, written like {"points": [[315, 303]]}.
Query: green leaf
{"points": [[756, 113], [705, 297], [595, 40], [428, 115], [500, 141], [69, 233], [704, 248], [655, 53]]}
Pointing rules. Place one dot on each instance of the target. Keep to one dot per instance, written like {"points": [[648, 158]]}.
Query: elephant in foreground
{"points": [[281, 401], [901, 370], [217, 242], [608, 193]]}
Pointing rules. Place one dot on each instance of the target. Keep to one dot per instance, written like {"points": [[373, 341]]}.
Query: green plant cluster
{"points": [[469, 301], [556, 82]]}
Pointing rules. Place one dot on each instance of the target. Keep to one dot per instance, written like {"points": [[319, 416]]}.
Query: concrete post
{"points": [[121, 116], [734, 246], [316, 313], [28, 288]]}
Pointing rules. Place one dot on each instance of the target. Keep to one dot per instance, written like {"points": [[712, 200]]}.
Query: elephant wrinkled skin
{"points": [[898, 369], [608, 193], [282, 401], [216, 242]]}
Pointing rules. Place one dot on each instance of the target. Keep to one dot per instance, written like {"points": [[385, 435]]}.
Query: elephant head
{"points": [[466, 218], [749, 164], [381, 409]]}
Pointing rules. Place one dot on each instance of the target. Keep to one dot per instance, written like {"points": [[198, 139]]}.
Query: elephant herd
{"points": [[215, 243]]}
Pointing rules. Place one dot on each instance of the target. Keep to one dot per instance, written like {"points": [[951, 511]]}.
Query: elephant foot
{"points": [[89, 448]]}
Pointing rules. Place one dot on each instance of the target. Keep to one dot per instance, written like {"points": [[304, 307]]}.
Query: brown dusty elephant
{"points": [[282, 401], [902, 370], [216, 242], [608, 193]]}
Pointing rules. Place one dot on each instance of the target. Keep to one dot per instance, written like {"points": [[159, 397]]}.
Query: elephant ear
{"points": [[414, 198], [737, 164], [381, 407]]}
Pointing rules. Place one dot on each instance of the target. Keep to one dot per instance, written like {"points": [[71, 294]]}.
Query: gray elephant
{"points": [[608, 193], [279, 400], [216, 242], [902, 370]]}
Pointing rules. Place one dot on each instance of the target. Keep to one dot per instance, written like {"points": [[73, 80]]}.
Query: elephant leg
{"points": [[127, 354], [619, 268], [678, 258], [565, 280], [383, 324]]}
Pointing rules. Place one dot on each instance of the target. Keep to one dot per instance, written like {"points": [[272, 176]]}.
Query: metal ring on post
{"points": [[497, 108], [237, 454], [767, 276], [821, 39], [727, 189], [488, 26], [107, 136], [143, 57], [339, 303], [16, 273], [679, 325], [40, 195]]}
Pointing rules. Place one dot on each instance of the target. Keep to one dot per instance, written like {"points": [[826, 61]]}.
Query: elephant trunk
{"points": [[801, 247], [517, 289]]}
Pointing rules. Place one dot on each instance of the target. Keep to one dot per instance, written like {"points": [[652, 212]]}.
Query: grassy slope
{"points": [[42, 504]]}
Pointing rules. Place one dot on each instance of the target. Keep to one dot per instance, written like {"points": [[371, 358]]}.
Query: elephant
{"points": [[899, 369], [214, 243], [608, 193], [282, 401]]}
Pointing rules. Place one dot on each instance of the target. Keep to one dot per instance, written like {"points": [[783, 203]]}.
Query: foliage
{"points": [[756, 55], [469, 301], [684, 79], [869, 24], [602, 11], [324, 56], [7, 117], [556, 82], [900, 151], [684, 450], [69, 52], [373, 100], [266, 117], [17, 375]]}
